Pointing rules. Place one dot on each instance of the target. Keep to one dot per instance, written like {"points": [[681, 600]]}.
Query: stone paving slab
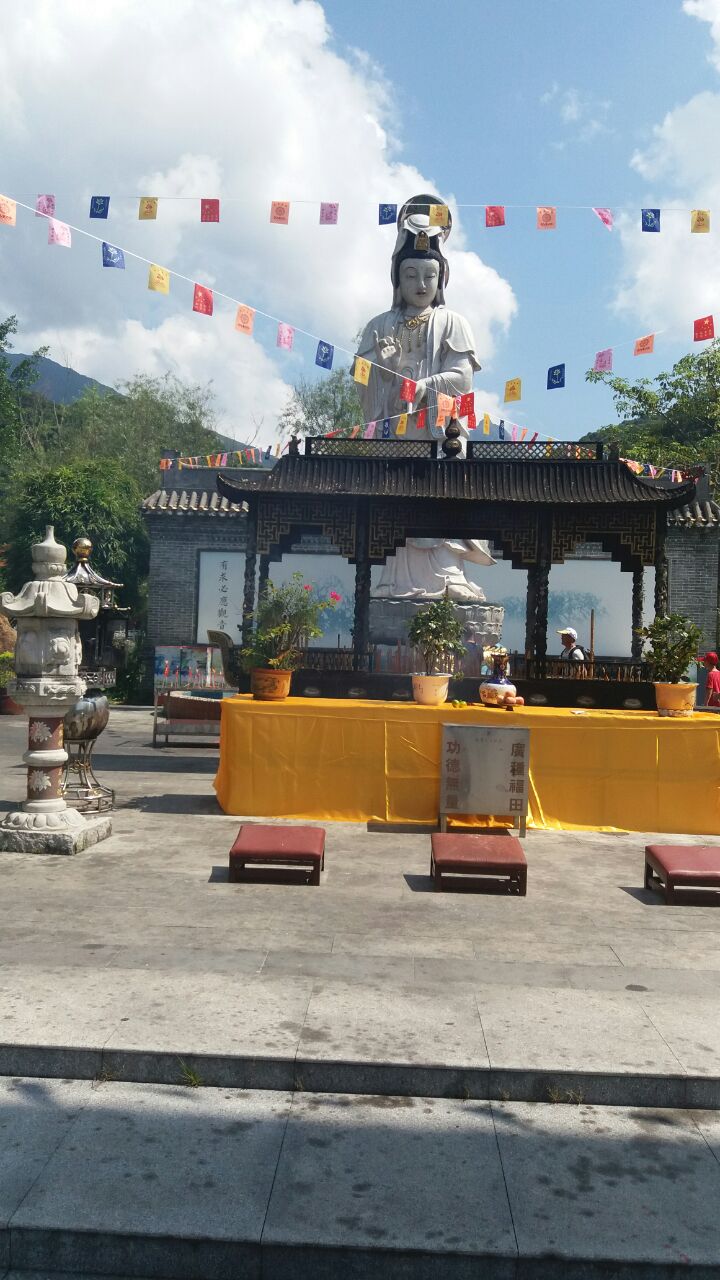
{"points": [[204, 1184]]}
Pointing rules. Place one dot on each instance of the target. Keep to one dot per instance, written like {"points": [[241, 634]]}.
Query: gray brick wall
{"points": [[175, 545], [694, 573]]}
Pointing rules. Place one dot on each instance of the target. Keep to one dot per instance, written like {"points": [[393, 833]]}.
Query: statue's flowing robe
{"points": [[446, 359]]}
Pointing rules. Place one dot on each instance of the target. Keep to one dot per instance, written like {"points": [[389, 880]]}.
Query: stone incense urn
{"points": [[47, 657]]}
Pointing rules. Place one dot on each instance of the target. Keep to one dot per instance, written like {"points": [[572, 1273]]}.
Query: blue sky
{"points": [[519, 103]]}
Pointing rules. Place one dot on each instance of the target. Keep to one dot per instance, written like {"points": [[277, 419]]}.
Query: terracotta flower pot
{"points": [[431, 691], [675, 699], [7, 706], [269, 685]]}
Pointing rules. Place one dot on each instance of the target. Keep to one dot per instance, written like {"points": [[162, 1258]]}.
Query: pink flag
{"points": [[45, 206], [59, 233], [369, 431], [285, 336], [203, 300], [328, 214], [603, 361], [210, 210], [606, 217], [514, 433]]}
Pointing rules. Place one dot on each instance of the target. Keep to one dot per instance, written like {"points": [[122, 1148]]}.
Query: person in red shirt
{"points": [[712, 684]]}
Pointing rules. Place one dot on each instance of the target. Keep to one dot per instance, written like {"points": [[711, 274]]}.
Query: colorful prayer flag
{"points": [[369, 431], [203, 300], [486, 424], [606, 217], [324, 355], [210, 210], [439, 215], [445, 404], [471, 422], [386, 429], [495, 215], [555, 376], [355, 432], [523, 434], [401, 428], [285, 336], [59, 233], [650, 220], [501, 429], [644, 346], [45, 207], [280, 212], [244, 319], [546, 217], [387, 213], [329, 213], [700, 220], [112, 257], [703, 329], [361, 372], [466, 404], [421, 420], [147, 209], [8, 211], [533, 438], [514, 434], [158, 279], [407, 390], [99, 206], [513, 390], [603, 361]]}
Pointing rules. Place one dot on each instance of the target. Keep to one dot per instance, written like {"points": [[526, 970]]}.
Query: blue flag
{"points": [[556, 376], [501, 429], [113, 257], [99, 206], [651, 219], [386, 429], [387, 213], [324, 355]]}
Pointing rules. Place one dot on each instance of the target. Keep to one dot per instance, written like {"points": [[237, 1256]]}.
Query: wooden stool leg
{"points": [[315, 874], [648, 876]]}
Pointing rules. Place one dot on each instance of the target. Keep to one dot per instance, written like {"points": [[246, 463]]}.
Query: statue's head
{"points": [[419, 271]]}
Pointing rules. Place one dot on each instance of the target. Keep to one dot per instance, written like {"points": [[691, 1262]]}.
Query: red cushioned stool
{"points": [[272, 847], [499, 857], [678, 866]]}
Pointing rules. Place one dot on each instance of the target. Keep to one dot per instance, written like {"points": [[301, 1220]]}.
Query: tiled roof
{"points": [[553, 481], [696, 515], [189, 502]]}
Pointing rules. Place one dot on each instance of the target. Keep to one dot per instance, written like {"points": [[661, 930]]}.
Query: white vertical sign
{"points": [[220, 594], [485, 770]]}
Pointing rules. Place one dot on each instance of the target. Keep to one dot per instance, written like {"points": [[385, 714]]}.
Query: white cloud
{"points": [[584, 116], [672, 278], [246, 100]]}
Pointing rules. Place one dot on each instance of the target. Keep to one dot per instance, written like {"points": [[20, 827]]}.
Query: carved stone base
{"points": [[390, 619], [67, 832]]}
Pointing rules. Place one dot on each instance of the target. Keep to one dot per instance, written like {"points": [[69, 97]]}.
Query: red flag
{"points": [[466, 404], [203, 300], [495, 215], [471, 422], [704, 328], [407, 390], [209, 210], [421, 420], [533, 438]]}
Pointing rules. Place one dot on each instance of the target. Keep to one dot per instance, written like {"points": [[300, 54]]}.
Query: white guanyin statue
{"points": [[421, 339]]}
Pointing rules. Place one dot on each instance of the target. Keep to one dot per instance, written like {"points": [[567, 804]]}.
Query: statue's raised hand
{"points": [[387, 352]]}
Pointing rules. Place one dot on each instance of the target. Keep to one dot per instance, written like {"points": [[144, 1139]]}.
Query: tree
{"points": [[15, 385], [315, 408], [675, 420], [94, 498]]}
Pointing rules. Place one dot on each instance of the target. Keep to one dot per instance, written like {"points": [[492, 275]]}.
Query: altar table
{"points": [[350, 760]]}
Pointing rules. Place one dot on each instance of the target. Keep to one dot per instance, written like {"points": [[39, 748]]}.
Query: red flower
{"points": [[334, 596], [307, 586]]}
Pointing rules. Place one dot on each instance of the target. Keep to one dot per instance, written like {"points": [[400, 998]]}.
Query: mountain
{"points": [[56, 382]]}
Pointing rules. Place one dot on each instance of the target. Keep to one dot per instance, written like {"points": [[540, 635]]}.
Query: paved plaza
{"points": [[363, 1079]]}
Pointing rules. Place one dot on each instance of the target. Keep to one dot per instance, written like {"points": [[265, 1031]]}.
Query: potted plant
{"points": [[285, 619], [7, 673], [437, 632], [674, 642]]}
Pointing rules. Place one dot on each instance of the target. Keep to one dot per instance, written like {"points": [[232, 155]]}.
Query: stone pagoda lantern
{"points": [[47, 657]]}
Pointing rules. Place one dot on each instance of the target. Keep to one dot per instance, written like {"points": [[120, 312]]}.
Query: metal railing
{"points": [[476, 450]]}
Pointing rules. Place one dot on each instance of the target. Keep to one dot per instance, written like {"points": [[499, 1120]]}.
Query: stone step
{"points": [[141, 1181]]}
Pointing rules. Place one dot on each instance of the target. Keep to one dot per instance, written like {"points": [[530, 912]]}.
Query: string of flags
{"points": [[159, 279], [249, 456], [329, 212]]}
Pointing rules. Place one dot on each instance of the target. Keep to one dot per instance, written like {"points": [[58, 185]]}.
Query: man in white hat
{"points": [[571, 648]]}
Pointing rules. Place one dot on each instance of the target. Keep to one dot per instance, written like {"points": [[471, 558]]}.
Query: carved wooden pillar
{"points": [[531, 609], [638, 599], [542, 570], [361, 622], [263, 574], [250, 572], [661, 566]]}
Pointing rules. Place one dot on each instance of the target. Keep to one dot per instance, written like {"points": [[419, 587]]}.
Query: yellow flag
{"points": [[158, 279], [147, 210], [513, 390], [362, 370], [8, 211], [401, 427], [486, 424], [548, 446], [700, 220], [439, 215]]}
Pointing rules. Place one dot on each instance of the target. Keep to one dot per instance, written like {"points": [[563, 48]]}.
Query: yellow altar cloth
{"points": [[356, 761]]}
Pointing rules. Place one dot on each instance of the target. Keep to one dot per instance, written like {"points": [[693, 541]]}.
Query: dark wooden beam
{"points": [[661, 566], [638, 599], [250, 573], [361, 622]]}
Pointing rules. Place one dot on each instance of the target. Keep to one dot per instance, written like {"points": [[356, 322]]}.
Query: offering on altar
{"points": [[498, 690]]}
